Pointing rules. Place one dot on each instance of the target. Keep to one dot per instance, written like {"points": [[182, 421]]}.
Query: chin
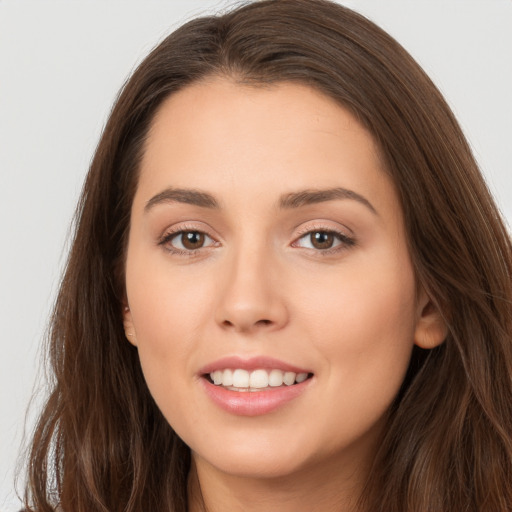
{"points": [[251, 453], [257, 466]]}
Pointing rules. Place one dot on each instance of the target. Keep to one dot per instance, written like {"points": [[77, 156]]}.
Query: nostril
{"points": [[247, 322]]}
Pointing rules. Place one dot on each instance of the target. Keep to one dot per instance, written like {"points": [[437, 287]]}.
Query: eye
{"points": [[323, 240], [187, 241]]}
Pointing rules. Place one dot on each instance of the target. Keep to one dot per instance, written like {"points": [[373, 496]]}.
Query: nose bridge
{"points": [[251, 298]]}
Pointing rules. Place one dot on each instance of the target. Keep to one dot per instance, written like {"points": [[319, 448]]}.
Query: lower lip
{"points": [[253, 403]]}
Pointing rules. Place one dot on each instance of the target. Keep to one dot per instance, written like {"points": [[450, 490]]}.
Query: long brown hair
{"points": [[101, 443]]}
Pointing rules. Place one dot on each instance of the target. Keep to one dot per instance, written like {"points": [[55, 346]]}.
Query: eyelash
{"points": [[170, 235], [345, 242]]}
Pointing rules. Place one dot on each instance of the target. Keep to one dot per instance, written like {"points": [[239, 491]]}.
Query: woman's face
{"points": [[267, 243]]}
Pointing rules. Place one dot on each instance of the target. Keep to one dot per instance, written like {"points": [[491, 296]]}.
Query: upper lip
{"points": [[249, 364]]}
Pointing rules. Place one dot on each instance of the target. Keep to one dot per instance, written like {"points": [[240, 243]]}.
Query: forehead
{"points": [[227, 109], [223, 136]]}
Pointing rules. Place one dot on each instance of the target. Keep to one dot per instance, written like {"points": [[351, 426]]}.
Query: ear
{"points": [[129, 329], [431, 330]]}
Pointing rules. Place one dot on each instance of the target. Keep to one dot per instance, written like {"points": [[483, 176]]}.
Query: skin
{"points": [[259, 286]]}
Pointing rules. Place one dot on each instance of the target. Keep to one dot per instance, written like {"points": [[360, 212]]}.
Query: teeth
{"points": [[227, 377], [258, 379], [301, 377], [275, 378], [239, 379], [289, 378]]}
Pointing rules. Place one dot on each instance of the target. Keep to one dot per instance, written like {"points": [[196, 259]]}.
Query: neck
{"points": [[327, 487]]}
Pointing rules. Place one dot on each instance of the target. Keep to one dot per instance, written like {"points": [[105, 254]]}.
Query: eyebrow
{"points": [[313, 196], [183, 195], [287, 201]]}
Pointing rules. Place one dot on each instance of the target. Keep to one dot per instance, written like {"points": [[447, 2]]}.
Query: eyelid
{"points": [[173, 231], [324, 225], [346, 240]]}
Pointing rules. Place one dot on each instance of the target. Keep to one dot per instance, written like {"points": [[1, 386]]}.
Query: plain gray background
{"points": [[61, 65]]}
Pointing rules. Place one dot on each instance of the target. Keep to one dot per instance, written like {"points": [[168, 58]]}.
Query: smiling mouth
{"points": [[256, 380]]}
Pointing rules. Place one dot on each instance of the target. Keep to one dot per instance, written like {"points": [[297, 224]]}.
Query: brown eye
{"points": [[322, 239], [186, 241], [191, 239]]}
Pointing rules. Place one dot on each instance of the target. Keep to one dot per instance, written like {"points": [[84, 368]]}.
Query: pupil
{"points": [[322, 240], [192, 239]]}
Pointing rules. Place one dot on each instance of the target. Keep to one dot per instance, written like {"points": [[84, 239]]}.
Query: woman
{"points": [[289, 286]]}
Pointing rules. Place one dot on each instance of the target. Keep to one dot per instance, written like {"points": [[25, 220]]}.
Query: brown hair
{"points": [[448, 446]]}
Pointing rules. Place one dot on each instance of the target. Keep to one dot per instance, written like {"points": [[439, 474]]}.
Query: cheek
{"points": [[365, 333], [157, 308], [163, 321], [166, 305], [169, 310]]}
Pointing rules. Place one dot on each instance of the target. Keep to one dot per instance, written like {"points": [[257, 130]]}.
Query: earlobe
{"points": [[431, 329], [129, 329]]}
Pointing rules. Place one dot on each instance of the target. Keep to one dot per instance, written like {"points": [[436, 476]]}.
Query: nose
{"points": [[252, 297]]}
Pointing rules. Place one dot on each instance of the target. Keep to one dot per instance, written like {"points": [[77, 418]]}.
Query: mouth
{"points": [[254, 386], [260, 379]]}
